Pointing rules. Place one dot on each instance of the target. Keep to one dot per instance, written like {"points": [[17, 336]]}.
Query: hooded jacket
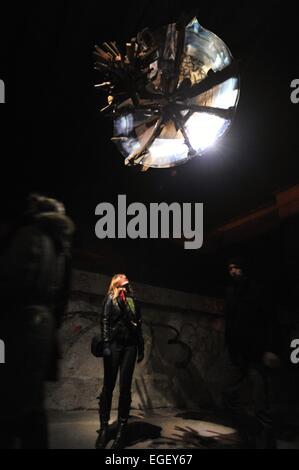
{"points": [[35, 274], [35, 263]]}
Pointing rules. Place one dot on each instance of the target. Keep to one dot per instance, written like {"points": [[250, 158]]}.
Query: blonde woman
{"points": [[123, 345]]}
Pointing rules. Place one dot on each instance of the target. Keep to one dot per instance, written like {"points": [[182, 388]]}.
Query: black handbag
{"points": [[97, 346]]}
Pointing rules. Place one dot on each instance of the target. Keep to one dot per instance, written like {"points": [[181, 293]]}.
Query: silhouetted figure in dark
{"points": [[123, 344], [35, 257], [253, 346]]}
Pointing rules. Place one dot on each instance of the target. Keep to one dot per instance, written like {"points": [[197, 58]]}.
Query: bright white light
{"points": [[228, 96], [204, 129], [218, 62], [164, 152]]}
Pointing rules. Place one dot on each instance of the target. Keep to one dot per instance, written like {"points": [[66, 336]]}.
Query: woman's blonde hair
{"points": [[114, 288]]}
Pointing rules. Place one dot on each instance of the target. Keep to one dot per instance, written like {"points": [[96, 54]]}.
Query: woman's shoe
{"points": [[119, 442], [102, 439]]}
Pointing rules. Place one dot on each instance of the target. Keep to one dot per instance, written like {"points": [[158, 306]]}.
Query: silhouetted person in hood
{"points": [[35, 256], [253, 345]]}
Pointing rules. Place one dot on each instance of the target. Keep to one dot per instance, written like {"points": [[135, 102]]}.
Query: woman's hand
{"points": [[107, 350]]}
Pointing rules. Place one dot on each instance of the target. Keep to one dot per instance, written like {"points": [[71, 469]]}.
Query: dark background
{"points": [[58, 143]]}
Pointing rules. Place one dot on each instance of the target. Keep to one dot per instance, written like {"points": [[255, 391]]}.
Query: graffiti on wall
{"points": [[179, 354]]}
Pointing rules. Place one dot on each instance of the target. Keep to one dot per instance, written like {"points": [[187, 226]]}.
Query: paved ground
{"points": [[163, 429]]}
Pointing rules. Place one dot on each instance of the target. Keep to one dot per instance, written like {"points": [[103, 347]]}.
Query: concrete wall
{"points": [[183, 349]]}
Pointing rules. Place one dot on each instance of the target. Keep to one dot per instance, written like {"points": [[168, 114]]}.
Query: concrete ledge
{"points": [[97, 284]]}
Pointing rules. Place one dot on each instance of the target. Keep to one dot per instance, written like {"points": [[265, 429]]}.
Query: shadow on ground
{"points": [[162, 429], [137, 433]]}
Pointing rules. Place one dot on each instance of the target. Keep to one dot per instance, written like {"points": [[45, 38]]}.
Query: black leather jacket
{"points": [[117, 324]]}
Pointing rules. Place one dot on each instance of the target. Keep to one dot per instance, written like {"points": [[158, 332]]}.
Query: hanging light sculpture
{"points": [[171, 93]]}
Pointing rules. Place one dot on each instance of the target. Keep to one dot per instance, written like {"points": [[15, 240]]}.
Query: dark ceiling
{"points": [[59, 143]]}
